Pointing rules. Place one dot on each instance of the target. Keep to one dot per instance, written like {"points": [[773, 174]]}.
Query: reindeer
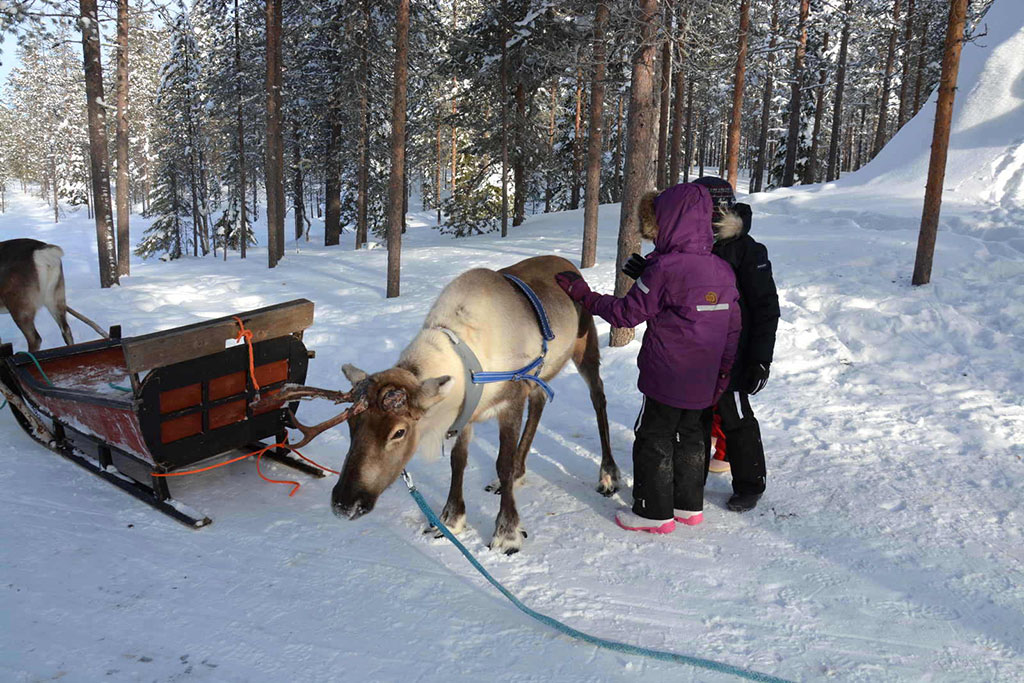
{"points": [[31, 276], [410, 407]]}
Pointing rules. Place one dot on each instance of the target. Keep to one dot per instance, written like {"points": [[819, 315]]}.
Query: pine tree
{"points": [[179, 201]]}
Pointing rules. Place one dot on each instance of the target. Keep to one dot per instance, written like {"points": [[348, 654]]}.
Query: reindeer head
{"points": [[383, 422], [383, 435]]}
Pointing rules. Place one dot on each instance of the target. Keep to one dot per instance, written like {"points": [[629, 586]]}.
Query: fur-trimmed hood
{"points": [[678, 219], [730, 224]]}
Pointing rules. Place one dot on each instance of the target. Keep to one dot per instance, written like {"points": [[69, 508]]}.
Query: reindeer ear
{"points": [[433, 390], [354, 374]]}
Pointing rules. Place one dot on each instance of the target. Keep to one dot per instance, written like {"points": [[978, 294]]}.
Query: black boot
{"points": [[741, 502]]}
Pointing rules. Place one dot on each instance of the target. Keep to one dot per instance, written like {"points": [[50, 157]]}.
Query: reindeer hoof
{"points": [[508, 544], [456, 524], [608, 485]]}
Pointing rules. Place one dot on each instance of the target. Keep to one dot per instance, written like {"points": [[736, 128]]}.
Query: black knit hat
{"points": [[721, 191]]}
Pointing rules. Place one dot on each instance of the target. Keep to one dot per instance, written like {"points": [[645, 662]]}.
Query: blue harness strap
{"points": [[538, 307], [475, 375], [530, 372]]}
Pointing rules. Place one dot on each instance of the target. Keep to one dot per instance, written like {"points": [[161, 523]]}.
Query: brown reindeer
{"points": [[412, 405], [31, 277]]}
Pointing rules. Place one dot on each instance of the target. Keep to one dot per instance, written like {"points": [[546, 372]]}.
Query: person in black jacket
{"points": [[759, 306]]}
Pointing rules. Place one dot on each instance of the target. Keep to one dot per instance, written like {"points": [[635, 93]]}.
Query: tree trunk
{"points": [[919, 78], [363, 180], [56, 202], [332, 182], [811, 170], [861, 132], [837, 109], [549, 190], [275, 136], [577, 143], [455, 83], [503, 89], [99, 161], [297, 191], [617, 161], [640, 148], [908, 36], [519, 162], [240, 134], [396, 185], [592, 194], [940, 142], [688, 161], [793, 138], [702, 144], [757, 182], [883, 101], [720, 150], [121, 183], [733, 153], [665, 91], [437, 172], [679, 97]]}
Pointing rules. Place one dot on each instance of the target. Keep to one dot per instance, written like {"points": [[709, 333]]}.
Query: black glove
{"points": [[757, 377], [634, 267]]}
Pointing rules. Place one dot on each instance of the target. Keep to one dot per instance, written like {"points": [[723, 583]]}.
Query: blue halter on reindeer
{"points": [[475, 375]]}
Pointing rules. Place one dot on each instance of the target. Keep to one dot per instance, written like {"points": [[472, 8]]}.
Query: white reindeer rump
{"points": [[50, 276]]}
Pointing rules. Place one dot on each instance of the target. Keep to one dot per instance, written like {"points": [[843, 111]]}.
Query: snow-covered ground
{"points": [[887, 547]]}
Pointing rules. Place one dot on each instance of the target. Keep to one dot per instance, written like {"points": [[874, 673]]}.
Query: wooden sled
{"points": [[129, 409]]}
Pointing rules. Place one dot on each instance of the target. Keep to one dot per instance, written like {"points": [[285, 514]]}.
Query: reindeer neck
{"points": [[429, 355]]}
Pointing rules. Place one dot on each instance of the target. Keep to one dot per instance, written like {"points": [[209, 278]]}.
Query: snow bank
{"points": [[986, 156]]}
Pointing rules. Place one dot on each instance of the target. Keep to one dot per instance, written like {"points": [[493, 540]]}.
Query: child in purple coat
{"points": [[689, 300]]}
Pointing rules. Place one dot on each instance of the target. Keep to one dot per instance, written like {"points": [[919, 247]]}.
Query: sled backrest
{"points": [[180, 344]]}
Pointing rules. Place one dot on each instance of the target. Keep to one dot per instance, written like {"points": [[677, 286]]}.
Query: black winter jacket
{"points": [[759, 300]]}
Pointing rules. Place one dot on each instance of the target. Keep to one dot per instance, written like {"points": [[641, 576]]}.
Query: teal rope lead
{"points": [[38, 366], [574, 633]]}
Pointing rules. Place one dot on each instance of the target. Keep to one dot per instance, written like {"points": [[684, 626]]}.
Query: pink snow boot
{"points": [[629, 521], [688, 518]]}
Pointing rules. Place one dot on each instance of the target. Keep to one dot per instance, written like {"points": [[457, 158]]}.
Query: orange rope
{"points": [[243, 333], [247, 335], [259, 454]]}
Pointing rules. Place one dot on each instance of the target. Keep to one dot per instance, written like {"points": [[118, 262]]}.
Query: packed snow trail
{"points": [[888, 545]]}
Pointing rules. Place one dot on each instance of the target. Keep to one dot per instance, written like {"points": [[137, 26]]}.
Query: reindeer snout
{"points": [[352, 506], [351, 512]]}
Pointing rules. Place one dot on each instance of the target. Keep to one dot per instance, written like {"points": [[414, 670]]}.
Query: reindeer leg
{"points": [[537, 401], [587, 358], [56, 304], [26, 323], [453, 515], [508, 537], [61, 318]]}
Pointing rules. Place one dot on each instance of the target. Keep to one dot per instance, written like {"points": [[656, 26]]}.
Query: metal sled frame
{"points": [[193, 404]]}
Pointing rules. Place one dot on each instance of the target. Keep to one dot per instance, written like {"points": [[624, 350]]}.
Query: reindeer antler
{"points": [[294, 392]]}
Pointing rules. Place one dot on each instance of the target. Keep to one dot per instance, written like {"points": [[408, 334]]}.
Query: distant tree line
{"points": [[214, 113]]}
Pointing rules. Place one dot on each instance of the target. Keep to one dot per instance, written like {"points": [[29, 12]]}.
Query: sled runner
{"points": [[130, 410]]}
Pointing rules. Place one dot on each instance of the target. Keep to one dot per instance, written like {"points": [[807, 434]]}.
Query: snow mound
{"points": [[986, 155]]}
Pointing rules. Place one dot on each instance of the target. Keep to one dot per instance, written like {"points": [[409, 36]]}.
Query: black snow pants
{"points": [[743, 443], [669, 459]]}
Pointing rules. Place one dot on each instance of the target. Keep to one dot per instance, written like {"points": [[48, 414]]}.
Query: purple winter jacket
{"points": [[689, 299]]}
